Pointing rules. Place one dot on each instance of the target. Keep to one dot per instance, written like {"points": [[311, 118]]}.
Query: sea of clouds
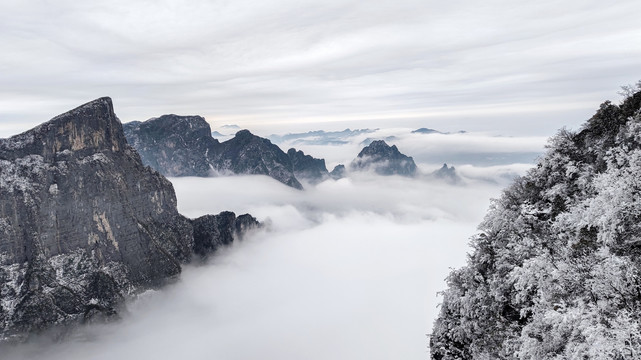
{"points": [[346, 269]]}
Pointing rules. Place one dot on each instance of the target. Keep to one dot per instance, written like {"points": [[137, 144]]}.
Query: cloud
{"points": [[283, 63], [428, 150], [348, 269]]}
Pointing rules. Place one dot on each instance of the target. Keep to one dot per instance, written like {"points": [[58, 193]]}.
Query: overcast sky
{"points": [[292, 65]]}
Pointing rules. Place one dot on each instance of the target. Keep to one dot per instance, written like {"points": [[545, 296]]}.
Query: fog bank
{"points": [[349, 269]]}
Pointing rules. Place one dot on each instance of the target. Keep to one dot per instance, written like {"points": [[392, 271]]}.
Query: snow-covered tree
{"points": [[555, 272]]}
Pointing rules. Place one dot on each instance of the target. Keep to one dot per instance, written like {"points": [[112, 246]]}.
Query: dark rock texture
{"points": [[338, 172], [184, 146], [307, 167], [247, 153], [384, 160], [173, 145], [83, 223], [214, 231]]}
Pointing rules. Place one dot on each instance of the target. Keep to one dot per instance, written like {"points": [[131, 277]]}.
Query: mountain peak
{"points": [[86, 129], [244, 134], [384, 159]]}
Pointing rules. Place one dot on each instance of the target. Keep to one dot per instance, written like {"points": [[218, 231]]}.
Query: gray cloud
{"points": [[287, 63]]}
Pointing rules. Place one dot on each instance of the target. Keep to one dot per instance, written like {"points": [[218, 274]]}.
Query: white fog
{"points": [[345, 269]]}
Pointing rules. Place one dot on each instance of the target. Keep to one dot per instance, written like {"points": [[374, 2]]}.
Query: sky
{"points": [[274, 66]]}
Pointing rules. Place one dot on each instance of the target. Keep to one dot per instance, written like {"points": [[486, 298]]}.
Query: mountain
{"points": [[384, 160], [84, 224], [426, 131], [368, 141], [173, 145], [247, 153], [307, 167], [447, 174], [338, 172], [183, 146], [555, 271]]}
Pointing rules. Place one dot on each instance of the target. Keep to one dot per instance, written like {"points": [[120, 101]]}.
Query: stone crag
{"points": [[384, 160], [173, 145], [307, 167], [83, 223], [183, 146]]}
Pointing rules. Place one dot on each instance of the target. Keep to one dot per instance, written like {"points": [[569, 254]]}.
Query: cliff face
{"points": [[173, 145], [183, 146], [247, 153], [307, 167], [83, 223], [384, 160]]}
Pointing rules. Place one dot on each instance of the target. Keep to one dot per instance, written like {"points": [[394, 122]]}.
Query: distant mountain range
{"points": [[183, 146], [320, 137]]}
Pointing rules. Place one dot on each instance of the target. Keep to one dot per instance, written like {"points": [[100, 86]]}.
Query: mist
{"points": [[430, 151], [344, 269]]}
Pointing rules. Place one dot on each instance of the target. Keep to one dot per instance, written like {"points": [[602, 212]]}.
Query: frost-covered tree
{"points": [[555, 272]]}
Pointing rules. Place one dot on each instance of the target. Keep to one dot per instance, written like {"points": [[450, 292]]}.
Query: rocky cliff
{"points": [[173, 145], [247, 153], [83, 223], [384, 160], [183, 146], [307, 167]]}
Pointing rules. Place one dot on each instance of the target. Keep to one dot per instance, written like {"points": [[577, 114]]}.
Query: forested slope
{"points": [[555, 271]]}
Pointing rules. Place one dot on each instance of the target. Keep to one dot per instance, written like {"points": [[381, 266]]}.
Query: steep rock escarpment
{"points": [[183, 146], [247, 153], [307, 167], [383, 160], [173, 145], [83, 223], [556, 271]]}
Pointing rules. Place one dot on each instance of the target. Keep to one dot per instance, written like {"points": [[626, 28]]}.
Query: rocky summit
{"points": [[173, 145], [307, 167], [183, 146], [384, 160], [247, 153], [338, 172], [447, 174], [84, 224]]}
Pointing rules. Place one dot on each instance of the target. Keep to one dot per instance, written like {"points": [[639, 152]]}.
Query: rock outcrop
{"points": [[384, 160], [84, 224], [183, 146], [338, 172], [307, 167], [173, 145], [448, 174], [247, 153]]}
